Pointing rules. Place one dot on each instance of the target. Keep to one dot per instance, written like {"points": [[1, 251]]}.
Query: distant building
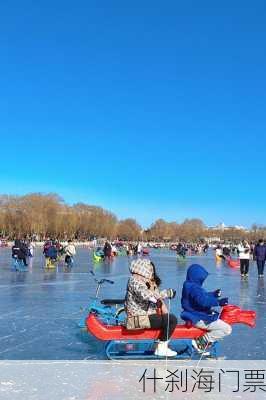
{"points": [[223, 227], [213, 239]]}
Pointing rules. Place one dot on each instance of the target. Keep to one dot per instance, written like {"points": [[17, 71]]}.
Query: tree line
{"points": [[39, 216]]}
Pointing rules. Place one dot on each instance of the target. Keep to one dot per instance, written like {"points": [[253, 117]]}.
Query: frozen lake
{"points": [[39, 310]]}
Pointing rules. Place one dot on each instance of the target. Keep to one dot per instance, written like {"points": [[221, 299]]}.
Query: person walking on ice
{"points": [[244, 257], [260, 256], [70, 251]]}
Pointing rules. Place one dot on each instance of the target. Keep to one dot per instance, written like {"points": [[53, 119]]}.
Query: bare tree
{"points": [[129, 229]]}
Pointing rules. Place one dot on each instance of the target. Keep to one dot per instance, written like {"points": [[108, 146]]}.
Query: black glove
{"points": [[171, 293], [223, 301], [217, 293]]}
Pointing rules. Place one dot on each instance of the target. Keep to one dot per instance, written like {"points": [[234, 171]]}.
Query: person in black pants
{"points": [[244, 256], [145, 307], [162, 320], [25, 252], [244, 266], [259, 255]]}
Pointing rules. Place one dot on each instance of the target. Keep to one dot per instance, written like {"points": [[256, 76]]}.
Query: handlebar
{"points": [[101, 281], [105, 281]]}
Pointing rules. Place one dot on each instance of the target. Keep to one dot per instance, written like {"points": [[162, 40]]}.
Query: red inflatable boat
{"points": [[233, 263], [230, 314]]}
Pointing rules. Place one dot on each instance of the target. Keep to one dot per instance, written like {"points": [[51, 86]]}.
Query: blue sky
{"points": [[150, 109]]}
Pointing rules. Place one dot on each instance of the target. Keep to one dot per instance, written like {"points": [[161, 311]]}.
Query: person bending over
{"points": [[143, 299], [197, 306]]}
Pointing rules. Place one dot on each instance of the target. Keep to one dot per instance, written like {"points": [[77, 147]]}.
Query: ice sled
{"points": [[97, 257], [123, 343], [233, 263]]}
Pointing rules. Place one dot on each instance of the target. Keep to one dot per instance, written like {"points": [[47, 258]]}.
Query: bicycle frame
{"points": [[107, 313]]}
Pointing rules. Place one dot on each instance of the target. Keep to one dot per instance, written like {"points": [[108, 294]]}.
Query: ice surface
{"points": [[39, 310], [108, 380]]}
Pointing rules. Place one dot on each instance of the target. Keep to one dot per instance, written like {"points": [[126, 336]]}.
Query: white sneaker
{"points": [[195, 346], [162, 350], [198, 349]]}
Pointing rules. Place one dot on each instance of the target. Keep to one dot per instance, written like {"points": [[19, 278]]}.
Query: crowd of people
{"points": [[112, 249], [145, 302], [245, 252], [182, 249], [53, 252]]}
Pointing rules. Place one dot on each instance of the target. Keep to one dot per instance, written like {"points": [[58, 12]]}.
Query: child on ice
{"points": [[197, 304]]}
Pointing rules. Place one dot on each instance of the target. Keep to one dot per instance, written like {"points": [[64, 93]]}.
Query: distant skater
{"points": [[244, 256], [259, 254], [31, 249], [107, 250], [18, 256], [70, 251], [25, 252]]}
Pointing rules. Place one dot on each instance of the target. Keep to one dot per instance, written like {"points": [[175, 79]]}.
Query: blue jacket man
{"points": [[198, 306], [52, 252], [196, 301]]}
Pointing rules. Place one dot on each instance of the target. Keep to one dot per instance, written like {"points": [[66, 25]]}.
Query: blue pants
{"points": [[260, 265], [69, 261], [18, 265]]}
